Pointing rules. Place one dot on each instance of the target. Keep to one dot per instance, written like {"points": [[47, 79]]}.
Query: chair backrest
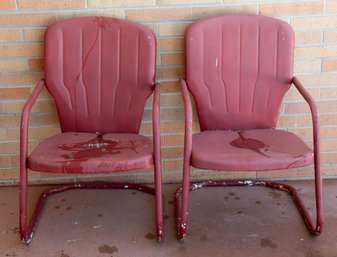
{"points": [[100, 72], [238, 67]]}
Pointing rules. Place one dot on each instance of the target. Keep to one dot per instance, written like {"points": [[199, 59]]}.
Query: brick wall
{"points": [[23, 22]]}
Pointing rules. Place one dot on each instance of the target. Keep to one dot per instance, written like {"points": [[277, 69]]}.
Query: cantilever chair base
{"points": [[27, 232], [314, 230]]}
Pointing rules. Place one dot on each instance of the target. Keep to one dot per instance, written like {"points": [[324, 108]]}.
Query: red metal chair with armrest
{"points": [[238, 68], [100, 72]]}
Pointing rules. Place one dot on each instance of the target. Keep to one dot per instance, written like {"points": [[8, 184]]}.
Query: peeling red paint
{"points": [[250, 144]]}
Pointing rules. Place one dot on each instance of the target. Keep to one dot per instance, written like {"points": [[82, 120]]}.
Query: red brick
{"points": [[294, 121], [329, 158], [168, 14], [113, 3], [3, 134], [172, 59], [174, 140], [172, 152], [170, 73], [323, 79], [173, 114], [329, 65], [21, 50], [7, 5], [147, 115], [170, 44], [49, 5], [9, 121], [170, 86], [115, 13], [43, 132], [4, 160], [173, 29], [34, 35], [14, 93], [170, 165], [315, 22], [9, 147], [12, 65], [10, 35], [171, 100], [14, 160], [21, 79], [323, 106], [330, 36], [331, 6], [308, 37], [9, 176], [328, 119], [187, 2], [329, 145], [292, 8], [25, 19], [36, 64], [48, 119], [209, 11], [329, 92]]}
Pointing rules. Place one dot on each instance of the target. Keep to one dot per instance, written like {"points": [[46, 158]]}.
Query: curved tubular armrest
{"points": [[317, 157], [156, 122], [25, 122], [314, 115], [157, 163], [188, 119]]}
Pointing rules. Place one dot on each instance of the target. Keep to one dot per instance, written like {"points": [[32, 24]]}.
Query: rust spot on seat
{"points": [[252, 144], [96, 148]]}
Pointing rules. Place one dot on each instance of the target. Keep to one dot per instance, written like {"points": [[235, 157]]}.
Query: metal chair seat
{"points": [[259, 149], [74, 152]]}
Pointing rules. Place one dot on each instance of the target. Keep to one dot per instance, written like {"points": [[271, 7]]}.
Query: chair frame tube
{"points": [[181, 195], [27, 229]]}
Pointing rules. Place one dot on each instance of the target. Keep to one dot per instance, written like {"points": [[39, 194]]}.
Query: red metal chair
{"points": [[238, 68], [100, 72]]}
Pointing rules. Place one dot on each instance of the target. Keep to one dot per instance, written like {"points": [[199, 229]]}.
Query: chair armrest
{"points": [[25, 122], [156, 122], [314, 116], [188, 119]]}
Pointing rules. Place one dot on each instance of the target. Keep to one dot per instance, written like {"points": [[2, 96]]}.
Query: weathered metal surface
{"points": [[238, 68], [27, 232], [100, 99], [100, 72], [314, 229], [88, 153], [249, 150]]}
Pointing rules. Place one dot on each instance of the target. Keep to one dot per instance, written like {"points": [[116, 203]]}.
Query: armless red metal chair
{"points": [[238, 68], [100, 72]]}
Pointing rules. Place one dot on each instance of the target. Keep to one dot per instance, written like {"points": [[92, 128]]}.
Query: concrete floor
{"points": [[223, 222]]}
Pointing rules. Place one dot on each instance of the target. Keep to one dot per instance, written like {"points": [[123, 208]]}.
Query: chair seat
{"points": [[259, 149], [74, 152]]}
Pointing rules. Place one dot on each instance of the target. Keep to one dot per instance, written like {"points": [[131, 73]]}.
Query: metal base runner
{"points": [[27, 233], [182, 228]]}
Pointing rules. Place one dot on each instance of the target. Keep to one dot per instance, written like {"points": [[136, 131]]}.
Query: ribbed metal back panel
{"points": [[238, 67], [100, 72]]}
